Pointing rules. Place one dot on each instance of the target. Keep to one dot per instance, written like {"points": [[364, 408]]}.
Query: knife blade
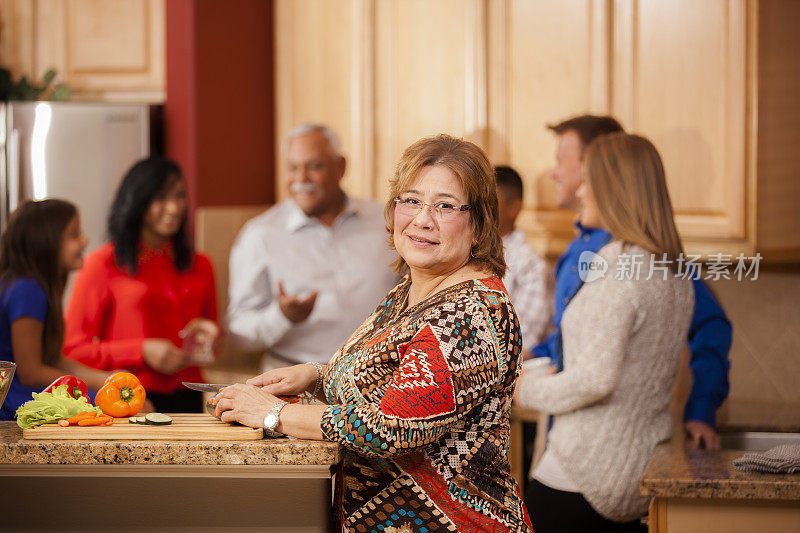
{"points": [[206, 387], [215, 388]]}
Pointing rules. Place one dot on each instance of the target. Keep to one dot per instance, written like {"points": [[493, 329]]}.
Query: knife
{"points": [[216, 387], [206, 387]]}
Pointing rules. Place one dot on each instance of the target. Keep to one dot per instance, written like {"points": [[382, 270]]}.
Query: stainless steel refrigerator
{"points": [[75, 151]]}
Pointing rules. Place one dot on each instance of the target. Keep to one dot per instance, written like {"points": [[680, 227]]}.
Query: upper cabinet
{"points": [[680, 77], [709, 82], [105, 50]]}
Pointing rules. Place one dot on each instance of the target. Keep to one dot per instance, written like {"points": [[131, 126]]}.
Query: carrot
{"points": [[82, 416], [63, 423], [95, 421]]}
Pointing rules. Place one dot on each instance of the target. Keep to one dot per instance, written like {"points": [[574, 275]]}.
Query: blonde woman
{"points": [[622, 336]]}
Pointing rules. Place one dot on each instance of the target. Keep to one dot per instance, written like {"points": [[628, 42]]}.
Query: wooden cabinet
{"points": [[112, 50], [680, 78], [718, 515], [707, 82]]}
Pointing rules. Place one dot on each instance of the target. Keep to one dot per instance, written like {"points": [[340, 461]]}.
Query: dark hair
{"points": [[143, 182], [31, 247], [471, 166], [588, 127], [509, 182]]}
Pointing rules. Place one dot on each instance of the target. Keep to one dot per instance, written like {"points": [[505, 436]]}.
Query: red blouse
{"points": [[110, 312]]}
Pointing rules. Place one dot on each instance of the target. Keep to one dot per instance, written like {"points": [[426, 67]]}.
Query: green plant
{"points": [[23, 89]]}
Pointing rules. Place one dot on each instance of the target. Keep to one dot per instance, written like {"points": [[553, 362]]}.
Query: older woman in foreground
{"points": [[419, 397]]}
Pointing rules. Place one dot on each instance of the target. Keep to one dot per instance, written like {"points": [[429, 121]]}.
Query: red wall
{"points": [[219, 112]]}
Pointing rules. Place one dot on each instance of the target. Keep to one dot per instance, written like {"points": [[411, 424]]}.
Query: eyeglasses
{"points": [[441, 210]]}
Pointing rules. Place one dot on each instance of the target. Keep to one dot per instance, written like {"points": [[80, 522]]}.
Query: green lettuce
{"points": [[50, 407]]}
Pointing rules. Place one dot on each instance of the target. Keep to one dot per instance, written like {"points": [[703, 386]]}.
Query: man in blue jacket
{"points": [[710, 331]]}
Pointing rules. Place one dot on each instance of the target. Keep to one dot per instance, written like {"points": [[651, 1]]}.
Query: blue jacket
{"points": [[709, 333]]}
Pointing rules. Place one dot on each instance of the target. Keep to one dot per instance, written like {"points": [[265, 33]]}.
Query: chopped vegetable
{"points": [[97, 421], [81, 416], [50, 407], [157, 419], [122, 395], [75, 387]]}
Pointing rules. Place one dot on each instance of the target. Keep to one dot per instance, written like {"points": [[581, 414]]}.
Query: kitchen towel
{"points": [[784, 459]]}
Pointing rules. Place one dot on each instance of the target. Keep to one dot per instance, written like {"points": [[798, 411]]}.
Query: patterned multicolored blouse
{"points": [[420, 400]]}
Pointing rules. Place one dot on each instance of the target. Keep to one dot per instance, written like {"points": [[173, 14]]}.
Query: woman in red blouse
{"points": [[137, 296]]}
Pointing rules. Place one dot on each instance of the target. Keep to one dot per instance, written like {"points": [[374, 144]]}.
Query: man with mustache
{"points": [[305, 273]]}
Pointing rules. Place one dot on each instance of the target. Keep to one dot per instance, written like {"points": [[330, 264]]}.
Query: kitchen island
{"points": [[96, 485], [699, 490]]}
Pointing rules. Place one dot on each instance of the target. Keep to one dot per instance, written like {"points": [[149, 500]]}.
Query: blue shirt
{"points": [[22, 297], [709, 333]]}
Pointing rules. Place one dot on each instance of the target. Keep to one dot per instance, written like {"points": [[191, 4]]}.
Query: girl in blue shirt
{"points": [[42, 243]]}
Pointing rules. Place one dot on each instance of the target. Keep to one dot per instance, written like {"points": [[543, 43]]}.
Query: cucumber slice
{"points": [[157, 419], [132, 420], [140, 420]]}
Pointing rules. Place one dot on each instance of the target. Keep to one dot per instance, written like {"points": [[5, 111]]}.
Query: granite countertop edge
{"points": [[14, 450], [676, 471]]}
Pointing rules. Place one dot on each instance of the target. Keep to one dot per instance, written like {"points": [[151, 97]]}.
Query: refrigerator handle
{"points": [[13, 171]]}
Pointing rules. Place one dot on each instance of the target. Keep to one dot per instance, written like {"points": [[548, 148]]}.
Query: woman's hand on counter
{"points": [[288, 381], [246, 404], [702, 435], [249, 404]]}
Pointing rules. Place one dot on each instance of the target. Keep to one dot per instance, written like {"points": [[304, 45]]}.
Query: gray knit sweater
{"points": [[621, 341]]}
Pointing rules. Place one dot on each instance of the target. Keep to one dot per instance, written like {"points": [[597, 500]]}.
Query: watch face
{"points": [[270, 421]]}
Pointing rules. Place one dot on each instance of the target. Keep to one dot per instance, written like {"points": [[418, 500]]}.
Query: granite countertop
{"points": [[676, 471], [752, 415], [16, 450]]}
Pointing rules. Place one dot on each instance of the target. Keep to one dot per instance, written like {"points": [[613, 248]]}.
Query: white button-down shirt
{"points": [[348, 263], [527, 281]]}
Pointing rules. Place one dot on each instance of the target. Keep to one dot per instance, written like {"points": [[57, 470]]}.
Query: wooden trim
{"points": [[475, 68], [362, 99], [657, 516], [284, 15], [498, 89], [736, 103], [706, 247], [623, 68], [600, 52], [781, 255], [751, 126]]}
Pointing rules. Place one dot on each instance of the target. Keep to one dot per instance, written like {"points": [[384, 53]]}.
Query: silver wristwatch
{"points": [[272, 418]]}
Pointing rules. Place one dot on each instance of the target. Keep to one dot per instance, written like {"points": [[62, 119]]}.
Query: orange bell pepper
{"points": [[121, 395]]}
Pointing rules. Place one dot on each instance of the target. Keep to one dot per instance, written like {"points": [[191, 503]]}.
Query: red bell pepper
{"points": [[75, 387]]}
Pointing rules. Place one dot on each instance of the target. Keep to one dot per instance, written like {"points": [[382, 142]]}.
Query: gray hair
{"points": [[302, 129]]}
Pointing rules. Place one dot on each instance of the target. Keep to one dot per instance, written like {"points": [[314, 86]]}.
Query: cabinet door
{"points": [[430, 76], [679, 78], [322, 68], [547, 61], [383, 75], [102, 49]]}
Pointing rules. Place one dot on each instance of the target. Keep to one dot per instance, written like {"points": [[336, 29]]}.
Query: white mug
{"points": [[537, 366]]}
